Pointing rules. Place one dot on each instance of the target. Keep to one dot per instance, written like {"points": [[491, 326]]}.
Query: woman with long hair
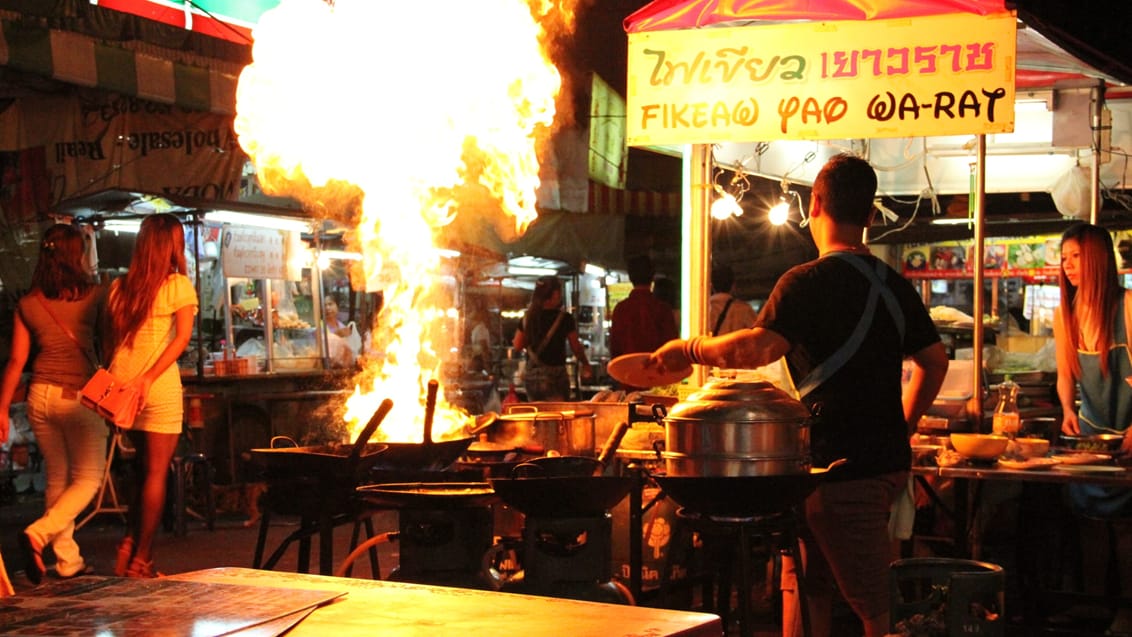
{"points": [[61, 315], [1093, 360], [544, 334], [152, 309]]}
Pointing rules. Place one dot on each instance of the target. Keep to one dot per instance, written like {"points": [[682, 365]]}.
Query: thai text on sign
{"points": [[940, 75]]}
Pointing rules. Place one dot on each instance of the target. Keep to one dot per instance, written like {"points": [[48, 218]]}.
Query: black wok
{"points": [[429, 495], [428, 455], [558, 497], [740, 496]]}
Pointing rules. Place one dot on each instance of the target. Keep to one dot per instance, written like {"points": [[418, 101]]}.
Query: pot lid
{"points": [[733, 401]]}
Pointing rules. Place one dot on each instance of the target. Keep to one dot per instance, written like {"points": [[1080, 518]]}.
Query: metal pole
{"points": [[975, 411], [1097, 103], [697, 245]]}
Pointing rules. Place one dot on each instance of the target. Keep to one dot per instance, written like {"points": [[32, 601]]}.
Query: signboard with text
{"points": [[254, 253], [1032, 258], [938, 75]]}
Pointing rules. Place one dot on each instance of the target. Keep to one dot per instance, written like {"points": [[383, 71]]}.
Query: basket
{"points": [[234, 366], [947, 597]]}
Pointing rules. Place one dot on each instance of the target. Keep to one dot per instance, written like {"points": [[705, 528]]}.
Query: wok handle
{"points": [[371, 426], [430, 409], [613, 442]]}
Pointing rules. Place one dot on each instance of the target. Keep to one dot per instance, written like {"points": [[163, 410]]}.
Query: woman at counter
{"points": [[1091, 336], [544, 334]]}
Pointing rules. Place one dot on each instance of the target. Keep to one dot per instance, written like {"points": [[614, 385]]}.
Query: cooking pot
{"points": [[735, 428], [570, 432]]}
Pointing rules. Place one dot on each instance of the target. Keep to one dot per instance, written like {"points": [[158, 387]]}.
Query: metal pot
{"points": [[526, 427], [731, 428]]}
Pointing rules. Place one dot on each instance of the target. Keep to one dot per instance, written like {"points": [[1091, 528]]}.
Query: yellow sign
{"points": [[939, 75]]}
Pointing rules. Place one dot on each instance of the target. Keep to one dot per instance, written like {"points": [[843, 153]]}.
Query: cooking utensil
{"points": [[733, 428], [429, 495], [428, 455], [1096, 442], [371, 426], [571, 466], [632, 370], [562, 497], [569, 432]]}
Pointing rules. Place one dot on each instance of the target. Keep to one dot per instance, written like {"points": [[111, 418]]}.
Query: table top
{"points": [[372, 607], [1049, 474]]}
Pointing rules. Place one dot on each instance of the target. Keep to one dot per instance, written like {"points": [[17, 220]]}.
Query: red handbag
{"points": [[109, 398]]}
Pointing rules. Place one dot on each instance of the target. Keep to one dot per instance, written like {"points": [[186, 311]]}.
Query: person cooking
{"points": [[845, 322], [1091, 339]]}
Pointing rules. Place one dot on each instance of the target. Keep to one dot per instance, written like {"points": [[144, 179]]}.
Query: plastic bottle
{"points": [[1007, 420]]}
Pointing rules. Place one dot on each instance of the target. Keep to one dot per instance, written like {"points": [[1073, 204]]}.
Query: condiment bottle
{"points": [[1007, 420]]}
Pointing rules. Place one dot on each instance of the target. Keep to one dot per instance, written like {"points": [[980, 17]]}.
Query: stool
{"points": [[191, 469], [779, 530], [107, 499]]}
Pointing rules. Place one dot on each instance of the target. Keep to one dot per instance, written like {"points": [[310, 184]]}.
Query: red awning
{"points": [[690, 14]]}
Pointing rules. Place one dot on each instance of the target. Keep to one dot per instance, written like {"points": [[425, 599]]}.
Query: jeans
{"points": [[72, 439]]}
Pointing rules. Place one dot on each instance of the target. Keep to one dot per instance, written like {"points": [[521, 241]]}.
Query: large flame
{"points": [[398, 110]]}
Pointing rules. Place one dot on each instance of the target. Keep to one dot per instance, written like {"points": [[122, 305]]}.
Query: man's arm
{"points": [[929, 367], [743, 349]]}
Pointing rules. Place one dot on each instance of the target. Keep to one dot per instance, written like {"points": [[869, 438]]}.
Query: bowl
{"points": [[979, 446], [1096, 442], [1030, 447]]}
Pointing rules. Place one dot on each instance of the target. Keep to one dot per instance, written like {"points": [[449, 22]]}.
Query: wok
{"points": [[429, 495], [428, 455], [572, 466], [740, 496], [559, 497], [334, 461]]}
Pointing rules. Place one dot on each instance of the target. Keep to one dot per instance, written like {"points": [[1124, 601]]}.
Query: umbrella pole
{"points": [[696, 235]]}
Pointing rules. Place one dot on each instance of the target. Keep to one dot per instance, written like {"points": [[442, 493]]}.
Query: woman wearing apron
{"points": [[1091, 334]]}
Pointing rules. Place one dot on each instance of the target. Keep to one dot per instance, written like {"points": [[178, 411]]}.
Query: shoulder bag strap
{"points": [[86, 352], [877, 290], [534, 353], [722, 315]]}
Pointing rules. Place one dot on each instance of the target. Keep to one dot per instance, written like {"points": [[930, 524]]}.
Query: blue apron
{"points": [[1106, 407]]}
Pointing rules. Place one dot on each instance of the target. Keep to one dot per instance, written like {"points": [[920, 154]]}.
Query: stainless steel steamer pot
{"points": [[732, 428]]}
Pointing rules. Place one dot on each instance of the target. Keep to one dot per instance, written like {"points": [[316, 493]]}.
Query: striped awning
{"points": [[78, 59], [644, 203], [227, 19]]}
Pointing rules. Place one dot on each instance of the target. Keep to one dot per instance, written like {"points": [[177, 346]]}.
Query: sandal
{"points": [[125, 554], [34, 567], [142, 569]]}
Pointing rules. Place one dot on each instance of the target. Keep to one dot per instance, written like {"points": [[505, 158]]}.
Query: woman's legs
{"points": [[155, 451], [73, 441]]}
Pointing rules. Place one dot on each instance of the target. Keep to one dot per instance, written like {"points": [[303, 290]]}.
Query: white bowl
{"points": [[979, 446], [1030, 447]]}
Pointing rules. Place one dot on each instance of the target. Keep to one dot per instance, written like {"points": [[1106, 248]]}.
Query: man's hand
{"points": [[670, 357]]}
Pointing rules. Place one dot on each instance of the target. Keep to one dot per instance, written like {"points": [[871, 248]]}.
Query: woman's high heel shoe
{"points": [[142, 569]]}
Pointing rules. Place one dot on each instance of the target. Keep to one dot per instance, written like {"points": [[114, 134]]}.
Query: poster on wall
{"points": [[1034, 258]]}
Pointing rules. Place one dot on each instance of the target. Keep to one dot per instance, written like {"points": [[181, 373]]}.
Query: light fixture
{"points": [[130, 226], [518, 270], [594, 270], [258, 221], [726, 203], [779, 213]]}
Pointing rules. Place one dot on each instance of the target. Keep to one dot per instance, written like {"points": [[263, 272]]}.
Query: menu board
{"points": [[114, 606]]}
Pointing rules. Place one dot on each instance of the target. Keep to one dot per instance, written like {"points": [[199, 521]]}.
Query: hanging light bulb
{"points": [[779, 212], [725, 205]]}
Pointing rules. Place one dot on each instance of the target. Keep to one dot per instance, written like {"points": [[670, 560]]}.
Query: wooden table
{"points": [[393, 609]]}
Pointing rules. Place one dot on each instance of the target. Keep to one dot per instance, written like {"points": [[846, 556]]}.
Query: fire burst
{"points": [[406, 115]]}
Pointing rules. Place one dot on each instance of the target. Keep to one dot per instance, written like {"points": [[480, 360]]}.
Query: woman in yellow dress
{"points": [[152, 309]]}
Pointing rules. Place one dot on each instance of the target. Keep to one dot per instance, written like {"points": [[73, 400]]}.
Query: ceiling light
{"points": [[122, 225], [524, 271], [725, 205], [779, 212], [258, 221]]}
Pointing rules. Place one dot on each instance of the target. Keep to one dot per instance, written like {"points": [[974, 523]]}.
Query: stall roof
{"points": [[108, 204]]}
